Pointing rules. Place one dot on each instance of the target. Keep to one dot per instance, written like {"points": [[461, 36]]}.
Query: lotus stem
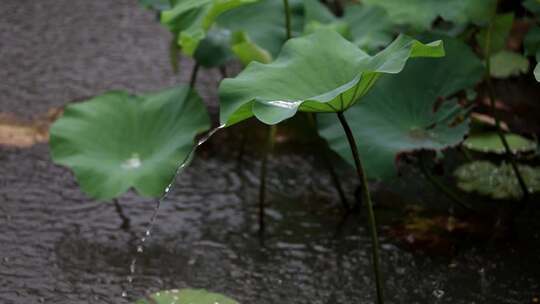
{"points": [[287, 18], [491, 95], [441, 187], [262, 186], [120, 211], [194, 73], [369, 205]]}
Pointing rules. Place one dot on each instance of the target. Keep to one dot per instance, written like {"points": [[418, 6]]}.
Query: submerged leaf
{"points": [[186, 296], [321, 72], [491, 143], [116, 141], [400, 113], [498, 182]]}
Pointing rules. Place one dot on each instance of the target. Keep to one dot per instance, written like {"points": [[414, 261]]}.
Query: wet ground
{"points": [[58, 246]]}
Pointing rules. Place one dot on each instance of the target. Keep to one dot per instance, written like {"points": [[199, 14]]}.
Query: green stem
{"points": [[369, 205], [491, 93], [262, 186], [287, 18], [441, 187], [194, 73]]}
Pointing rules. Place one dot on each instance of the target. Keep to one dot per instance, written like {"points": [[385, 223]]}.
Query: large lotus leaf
{"points": [[498, 182], [505, 64], [186, 296], [116, 141], [263, 23], [191, 19], [491, 143], [321, 72], [499, 30], [421, 13], [370, 27], [399, 115]]}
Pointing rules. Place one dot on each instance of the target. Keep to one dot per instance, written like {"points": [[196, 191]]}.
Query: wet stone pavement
{"points": [[58, 246]]}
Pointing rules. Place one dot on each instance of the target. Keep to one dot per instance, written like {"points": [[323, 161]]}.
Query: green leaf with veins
{"points": [[420, 14], [370, 27], [490, 142], [116, 141], [498, 182], [186, 296], [399, 116], [502, 24], [321, 72], [191, 19]]}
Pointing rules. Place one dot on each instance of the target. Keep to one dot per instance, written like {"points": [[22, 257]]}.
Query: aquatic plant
{"points": [[372, 106]]}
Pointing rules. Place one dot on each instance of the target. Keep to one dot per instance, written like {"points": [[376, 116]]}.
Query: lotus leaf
{"points": [[191, 19], [116, 141], [186, 296], [401, 113], [370, 27], [491, 143], [421, 13], [320, 72], [505, 64], [498, 182]]}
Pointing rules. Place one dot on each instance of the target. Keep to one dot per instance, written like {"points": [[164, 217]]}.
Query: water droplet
{"points": [[132, 163], [124, 294], [438, 293]]}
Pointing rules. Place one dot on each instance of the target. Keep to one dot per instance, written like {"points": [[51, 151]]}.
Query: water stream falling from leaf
{"points": [[148, 231]]}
